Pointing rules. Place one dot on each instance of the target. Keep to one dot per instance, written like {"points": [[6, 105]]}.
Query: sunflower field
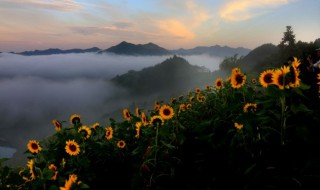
{"points": [[237, 133]]}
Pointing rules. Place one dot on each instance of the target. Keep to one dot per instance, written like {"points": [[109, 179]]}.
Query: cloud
{"points": [[176, 28], [239, 10], [65, 5]]}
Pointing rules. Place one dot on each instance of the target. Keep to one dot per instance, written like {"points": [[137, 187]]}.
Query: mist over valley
{"points": [[37, 89]]}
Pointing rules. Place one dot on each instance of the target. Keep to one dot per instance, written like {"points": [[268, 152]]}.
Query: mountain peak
{"points": [[126, 48]]}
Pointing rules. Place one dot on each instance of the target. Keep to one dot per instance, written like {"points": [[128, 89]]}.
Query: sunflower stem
{"points": [[156, 143], [283, 119]]}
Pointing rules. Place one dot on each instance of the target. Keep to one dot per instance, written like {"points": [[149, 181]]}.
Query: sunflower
{"points": [[238, 126], [57, 125], [294, 77], [121, 144], [198, 90], [33, 146], [156, 106], [295, 63], [126, 114], [235, 70], [144, 119], [266, 78], [138, 126], [109, 133], [189, 106], [191, 98], [86, 131], [199, 98], [54, 168], [95, 126], [250, 106], [31, 169], [173, 100], [237, 78], [138, 112], [208, 88], [318, 79], [280, 77], [254, 81], [72, 179], [166, 112], [182, 107], [72, 147], [75, 119], [156, 120], [219, 83]]}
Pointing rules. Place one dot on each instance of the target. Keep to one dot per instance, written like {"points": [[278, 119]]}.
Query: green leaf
{"points": [[170, 146], [84, 186]]}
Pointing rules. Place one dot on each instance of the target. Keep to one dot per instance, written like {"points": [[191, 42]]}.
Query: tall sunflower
{"points": [[57, 125], [266, 78], [198, 90], [121, 144], [75, 119], [237, 78], [68, 184], [138, 126], [109, 133], [156, 120], [126, 114], [280, 77], [86, 131], [31, 169], [156, 105], [294, 77], [166, 112], [34, 147], [318, 79], [218, 83], [138, 112], [144, 119], [72, 147]]}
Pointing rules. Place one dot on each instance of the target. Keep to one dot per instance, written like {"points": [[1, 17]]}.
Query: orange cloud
{"points": [[238, 10], [176, 29]]}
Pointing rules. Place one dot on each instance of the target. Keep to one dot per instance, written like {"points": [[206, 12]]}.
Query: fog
{"points": [[37, 89]]}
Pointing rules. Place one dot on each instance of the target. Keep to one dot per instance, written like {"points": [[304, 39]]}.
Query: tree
{"points": [[288, 37], [288, 46]]}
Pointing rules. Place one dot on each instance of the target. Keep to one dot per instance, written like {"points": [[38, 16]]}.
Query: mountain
{"points": [[149, 49], [175, 74], [58, 51], [126, 48], [220, 51]]}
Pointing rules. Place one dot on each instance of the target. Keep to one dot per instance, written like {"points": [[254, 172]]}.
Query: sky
{"points": [[41, 24]]}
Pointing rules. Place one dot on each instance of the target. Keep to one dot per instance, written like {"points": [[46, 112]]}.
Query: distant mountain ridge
{"points": [[58, 51], [149, 49], [221, 51]]}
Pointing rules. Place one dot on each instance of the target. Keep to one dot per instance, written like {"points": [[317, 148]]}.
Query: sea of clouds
{"points": [[37, 89]]}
